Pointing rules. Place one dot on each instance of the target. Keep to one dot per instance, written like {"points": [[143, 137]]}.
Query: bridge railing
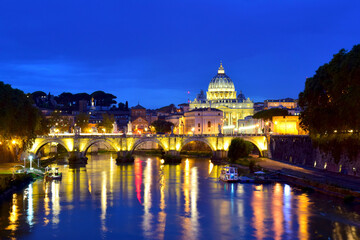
{"points": [[66, 135]]}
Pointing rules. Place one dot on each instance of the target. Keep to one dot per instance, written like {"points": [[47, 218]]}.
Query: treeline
{"points": [[331, 103], [67, 101], [20, 122]]}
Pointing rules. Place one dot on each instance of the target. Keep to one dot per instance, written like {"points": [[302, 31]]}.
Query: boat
{"points": [[229, 174], [52, 174]]}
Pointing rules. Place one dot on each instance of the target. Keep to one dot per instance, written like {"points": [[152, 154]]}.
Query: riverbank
{"points": [[10, 183], [312, 179]]}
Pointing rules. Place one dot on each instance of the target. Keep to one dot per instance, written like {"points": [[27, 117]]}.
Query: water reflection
{"points": [[149, 200]]}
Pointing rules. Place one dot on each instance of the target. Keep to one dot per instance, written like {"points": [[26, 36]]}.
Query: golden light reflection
{"points": [[103, 202], [259, 211], [14, 214], [277, 213], [55, 201], [211, 166], [303, 216], [46, 203], [162, 213], [194, 198], [147, 198]]}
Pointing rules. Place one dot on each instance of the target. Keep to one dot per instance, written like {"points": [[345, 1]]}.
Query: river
{"points": [[148, 200]]}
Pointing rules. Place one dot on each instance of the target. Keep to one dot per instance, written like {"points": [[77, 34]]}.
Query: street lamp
{"points": [[193, 130], [31, 158]]}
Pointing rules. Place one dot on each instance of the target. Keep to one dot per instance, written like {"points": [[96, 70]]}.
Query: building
{"points": [[175, 119], [221, 95], [287, 125], [288, 103], [249, 125], [201, 121], [138, 111]]}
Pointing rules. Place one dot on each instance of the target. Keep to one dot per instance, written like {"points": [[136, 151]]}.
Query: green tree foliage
{"points": [[123, 106], [19, 120], [268, 114], [239, 149], [103, 99], [162, 126], [331, 103], [82, 121], [106, 123], [331, 98]]}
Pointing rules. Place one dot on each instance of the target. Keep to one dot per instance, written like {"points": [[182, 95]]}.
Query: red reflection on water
{"points": [[138, 178]]}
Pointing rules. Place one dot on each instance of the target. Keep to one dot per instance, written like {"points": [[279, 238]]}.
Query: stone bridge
{"points": [[78, 144]]}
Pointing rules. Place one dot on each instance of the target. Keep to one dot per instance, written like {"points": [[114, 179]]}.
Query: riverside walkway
{"points": [[313, 174]]}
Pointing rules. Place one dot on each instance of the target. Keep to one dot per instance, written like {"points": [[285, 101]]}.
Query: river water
{"points": [[148, 200]]}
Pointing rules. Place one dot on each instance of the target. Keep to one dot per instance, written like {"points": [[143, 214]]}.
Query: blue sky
{"points": [[155, 52]]}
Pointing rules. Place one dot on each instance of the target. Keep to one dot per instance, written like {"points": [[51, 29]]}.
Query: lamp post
{"points": [[30, 158]]}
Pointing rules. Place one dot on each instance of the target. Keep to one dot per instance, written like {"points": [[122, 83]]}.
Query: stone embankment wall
{"points": [[298, 149]]}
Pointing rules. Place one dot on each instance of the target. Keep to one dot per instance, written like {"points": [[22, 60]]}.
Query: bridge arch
{"points": [[143, 140], [195, 139], [256, 144], [95, 141], [36, 148]]}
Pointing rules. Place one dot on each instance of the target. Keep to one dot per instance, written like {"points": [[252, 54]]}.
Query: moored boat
{"points": [[52, 174], [229, 174]]}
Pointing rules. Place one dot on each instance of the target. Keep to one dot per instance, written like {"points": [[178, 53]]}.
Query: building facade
{"points": [[201, 121], [221, 95]]}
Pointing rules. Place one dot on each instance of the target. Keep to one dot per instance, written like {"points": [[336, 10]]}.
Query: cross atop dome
{"points": [[221, 69]]}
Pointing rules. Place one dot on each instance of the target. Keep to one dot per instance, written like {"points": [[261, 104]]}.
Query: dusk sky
{"points": [[153, 52]]}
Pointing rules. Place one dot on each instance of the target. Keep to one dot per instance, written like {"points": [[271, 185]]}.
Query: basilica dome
{"points": [[221, 87], [221, 82]]}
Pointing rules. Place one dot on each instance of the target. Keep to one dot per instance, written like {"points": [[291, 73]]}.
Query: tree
{"points": [[331, 98], [82, 121], [106, 123], [239, 149], [103, 99], [162, 126], [19, 121], [331, 103], [268, 114]]}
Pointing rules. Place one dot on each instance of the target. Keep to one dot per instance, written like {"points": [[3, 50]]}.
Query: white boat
{"points": [[229, 174], [52, 174]]}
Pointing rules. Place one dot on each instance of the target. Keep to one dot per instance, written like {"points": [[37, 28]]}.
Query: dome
{"points": [[221, 82]]}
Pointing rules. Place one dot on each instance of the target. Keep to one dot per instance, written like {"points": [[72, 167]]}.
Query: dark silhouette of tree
{"points": [[331, 98], [19, 121], [331, 103], [106, 123], [239, 149], [162, 126], [103, 99], [268, 114]]}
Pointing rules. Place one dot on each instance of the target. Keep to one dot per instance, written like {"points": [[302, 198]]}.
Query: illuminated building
{"points": [[201, 121], [221, 95], [287, 125], [288, 103]]}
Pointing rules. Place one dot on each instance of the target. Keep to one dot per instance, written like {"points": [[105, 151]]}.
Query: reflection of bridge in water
{"points": [[78, 144]]}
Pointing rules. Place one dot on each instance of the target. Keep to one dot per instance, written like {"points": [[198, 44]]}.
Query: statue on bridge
{"points": [[129, 128], [220, 128]]}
